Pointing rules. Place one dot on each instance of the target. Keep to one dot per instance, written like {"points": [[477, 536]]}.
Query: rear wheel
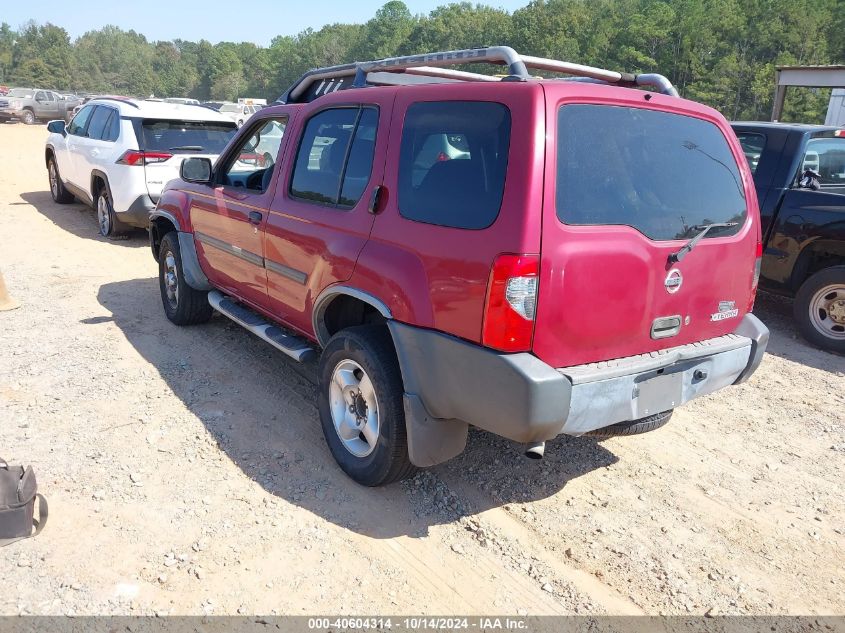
{"points": [[28, 117], [57, 187], [107, 221], [819, 309], [361, 408], [183, 305], [634, 427]]}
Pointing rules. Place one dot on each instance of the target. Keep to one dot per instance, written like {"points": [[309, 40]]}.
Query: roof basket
{"points": [[433, 68]]}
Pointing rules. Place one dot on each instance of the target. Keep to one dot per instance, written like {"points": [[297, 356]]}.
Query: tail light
{"points": [[135, 157], [511, 303], [756, 278]]}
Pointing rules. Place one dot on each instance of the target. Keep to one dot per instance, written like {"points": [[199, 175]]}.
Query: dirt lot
{"points": [[187, 473]]}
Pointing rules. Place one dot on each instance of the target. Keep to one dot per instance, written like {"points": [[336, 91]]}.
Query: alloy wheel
{"points": [[354, 408]]}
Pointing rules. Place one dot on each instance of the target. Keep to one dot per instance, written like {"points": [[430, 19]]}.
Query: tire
{"points": [[107, 222], [356, 357], [634, 427], [819, 309], [57, 187], [28, 117], [182, 304]]}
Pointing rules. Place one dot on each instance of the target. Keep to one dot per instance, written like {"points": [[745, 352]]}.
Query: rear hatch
{"points": [[628, 185], [167, 142]]}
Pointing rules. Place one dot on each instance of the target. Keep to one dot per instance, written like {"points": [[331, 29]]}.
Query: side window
{"points": [[827, 157], [252, 163], [752, 147], [40, 96], [99, 122], [77, 125], [335, 156], [112, 132], [452, 163]]}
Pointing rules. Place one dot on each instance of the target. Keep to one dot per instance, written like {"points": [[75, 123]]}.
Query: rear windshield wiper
{"points": [[187, 148], [703, 230]]}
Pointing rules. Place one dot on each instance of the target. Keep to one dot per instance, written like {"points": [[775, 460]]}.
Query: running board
{"points": [[282, 340]]}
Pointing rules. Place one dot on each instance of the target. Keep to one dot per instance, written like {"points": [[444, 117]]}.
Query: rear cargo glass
{"points": [[662, 174], [195, 137]]}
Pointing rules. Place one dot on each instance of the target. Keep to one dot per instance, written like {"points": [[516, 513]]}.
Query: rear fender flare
{"points": [[332, 292]]}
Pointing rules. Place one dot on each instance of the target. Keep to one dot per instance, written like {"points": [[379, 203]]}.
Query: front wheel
{"points": [[28, 117], [819, 309], [183, 305], [57, 187], [361, 408]]}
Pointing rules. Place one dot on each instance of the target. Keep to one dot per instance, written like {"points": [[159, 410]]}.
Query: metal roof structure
{"points": [[805, 76]]}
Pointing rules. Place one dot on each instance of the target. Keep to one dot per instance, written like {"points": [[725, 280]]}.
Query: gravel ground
{"points": [[187, 473]]}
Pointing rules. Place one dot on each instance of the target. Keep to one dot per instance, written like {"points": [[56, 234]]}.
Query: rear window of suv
{"points": [[198, 137], [452, 163], [660, 173]]}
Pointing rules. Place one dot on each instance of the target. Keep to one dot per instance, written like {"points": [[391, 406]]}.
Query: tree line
{"points": [[720, 52]]}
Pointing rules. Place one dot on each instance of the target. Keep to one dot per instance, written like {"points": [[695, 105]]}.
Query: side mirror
{"points": [[56, 127], [196, 170]]}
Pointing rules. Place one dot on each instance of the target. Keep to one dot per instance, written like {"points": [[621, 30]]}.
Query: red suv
{"points": [[529, 256]]}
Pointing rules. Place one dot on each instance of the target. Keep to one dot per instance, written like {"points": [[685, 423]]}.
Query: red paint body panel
{"points": [[439, 274], [321, 242], [601, 287]]}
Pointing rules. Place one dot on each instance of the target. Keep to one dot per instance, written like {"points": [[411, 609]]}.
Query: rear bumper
{"points": [[138, 212], [450, 383]]}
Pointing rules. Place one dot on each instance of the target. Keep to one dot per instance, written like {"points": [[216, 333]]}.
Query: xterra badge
{"points": [[727, 310]]}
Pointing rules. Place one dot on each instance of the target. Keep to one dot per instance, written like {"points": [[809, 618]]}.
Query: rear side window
{"points": [[662, 174], [452, 163], [335, 157], [826, 156], [99, 124], [752, 147], [197, 137]]}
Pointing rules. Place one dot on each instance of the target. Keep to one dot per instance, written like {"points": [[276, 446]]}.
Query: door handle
{"points": [[375, 198], [95, 152], [255, 217]]}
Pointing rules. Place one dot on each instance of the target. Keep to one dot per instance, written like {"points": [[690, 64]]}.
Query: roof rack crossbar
{"points": [[433, 64]]}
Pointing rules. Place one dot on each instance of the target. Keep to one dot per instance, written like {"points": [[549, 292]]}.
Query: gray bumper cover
{"points": [[450, 383]]}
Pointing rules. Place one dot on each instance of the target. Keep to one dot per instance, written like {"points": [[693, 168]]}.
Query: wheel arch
{"points": [[100, 175], [815, 256], [340, 306], [161, 223]]}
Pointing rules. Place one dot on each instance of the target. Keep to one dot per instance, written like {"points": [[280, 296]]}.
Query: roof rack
{"points": [[126, 100], [434, 66]]}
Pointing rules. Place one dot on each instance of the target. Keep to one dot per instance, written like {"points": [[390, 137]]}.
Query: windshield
{"points": [[198, 137], [662, 174], [21, 93]]}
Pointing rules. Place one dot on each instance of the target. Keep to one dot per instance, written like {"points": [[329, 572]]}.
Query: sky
{"points": [[257, 21]]}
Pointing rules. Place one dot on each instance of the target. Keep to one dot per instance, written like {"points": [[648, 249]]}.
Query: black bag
{"points": [[18, 491]]}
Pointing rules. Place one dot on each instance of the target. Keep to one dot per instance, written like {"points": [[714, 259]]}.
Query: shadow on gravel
{"points": [[785, 341], [78, 219], [260, 408]]}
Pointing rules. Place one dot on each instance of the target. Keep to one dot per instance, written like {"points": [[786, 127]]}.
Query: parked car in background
{"points": [[214, 105], [239, 113], [117, 154], [4, 90], [799, 174], [531, 257], [31, 105], [182, 100]]}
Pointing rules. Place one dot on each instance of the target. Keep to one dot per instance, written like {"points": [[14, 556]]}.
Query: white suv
{"points": [[239, 112], [117, 154]]}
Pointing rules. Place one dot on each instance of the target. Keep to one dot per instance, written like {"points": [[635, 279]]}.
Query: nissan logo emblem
{"points": [[673, 281]]}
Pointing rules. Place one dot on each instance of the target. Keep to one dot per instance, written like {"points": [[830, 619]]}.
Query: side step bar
{"points": [[290, 344]]}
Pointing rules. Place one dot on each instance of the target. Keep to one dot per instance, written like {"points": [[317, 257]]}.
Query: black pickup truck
{"points": [[799, 173]]}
